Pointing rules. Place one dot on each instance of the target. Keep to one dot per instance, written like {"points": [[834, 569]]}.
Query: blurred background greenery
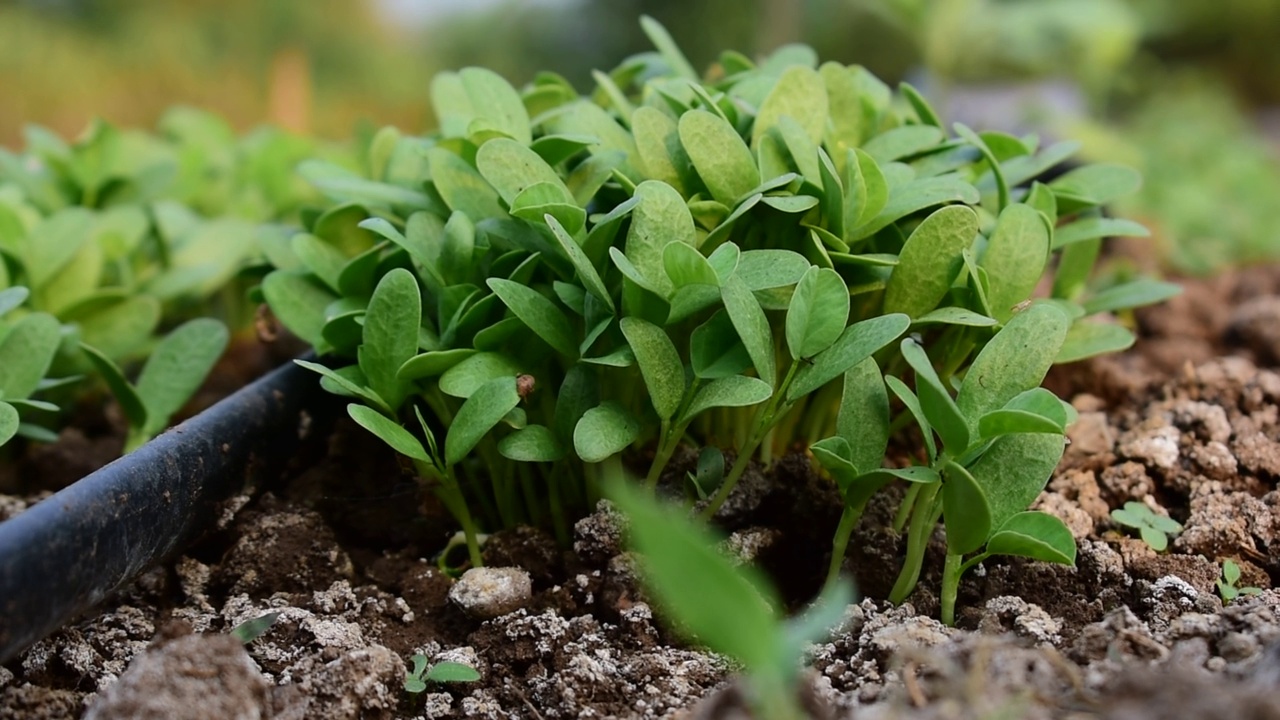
{"points": [[1183, 89]]}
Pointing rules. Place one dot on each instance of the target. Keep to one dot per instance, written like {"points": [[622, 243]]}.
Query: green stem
{"points": [[558, 523], [848, 521], [765, 420], [950, 586], [923, 518], [667, 444], [904, 510], [446, 488]]}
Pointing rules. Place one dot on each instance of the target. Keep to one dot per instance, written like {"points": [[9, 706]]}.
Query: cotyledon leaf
{"points": [[799, 94], [1015, 258], [486, 407], [1014, 361], [661, 218], [659, 364]]}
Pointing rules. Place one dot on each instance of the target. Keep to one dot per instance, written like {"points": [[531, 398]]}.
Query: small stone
{"points": [[485, 593]]}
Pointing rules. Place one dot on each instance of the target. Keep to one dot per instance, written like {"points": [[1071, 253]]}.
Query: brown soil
{"points": [[1188, 423]]}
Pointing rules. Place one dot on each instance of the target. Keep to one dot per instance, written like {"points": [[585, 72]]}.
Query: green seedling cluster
{"points": [[1227, 585], [740, 261], [1154, 529], [108, 241], [415, 681], [730, 608]]}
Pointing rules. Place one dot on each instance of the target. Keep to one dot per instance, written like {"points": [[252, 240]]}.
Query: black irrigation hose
{"points": [[68, 552]]}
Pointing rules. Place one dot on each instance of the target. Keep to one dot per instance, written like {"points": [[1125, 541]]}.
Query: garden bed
{"points": [[1187, 421]]}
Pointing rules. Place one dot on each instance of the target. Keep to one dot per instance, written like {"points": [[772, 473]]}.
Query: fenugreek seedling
{"points": [[174, 370], [552, 281], [1154, 529], [416, 680], [1227, 584], [731, 609]]}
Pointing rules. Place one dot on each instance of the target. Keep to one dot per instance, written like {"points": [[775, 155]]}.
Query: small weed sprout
{"points": [[442, 672], [253, 628], [1154, 528], [1227, 587]]}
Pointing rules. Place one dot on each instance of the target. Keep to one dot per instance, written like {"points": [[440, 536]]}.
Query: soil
{"points": [[1188, 423]]}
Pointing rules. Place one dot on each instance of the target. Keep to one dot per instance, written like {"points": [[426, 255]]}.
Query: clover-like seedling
{"points": [[1154, 528], [172, 373], [732, 609], [1227, 584], [423, 673]]}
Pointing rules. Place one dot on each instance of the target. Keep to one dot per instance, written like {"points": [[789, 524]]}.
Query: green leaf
{"points": [[1091, 228], [662, 157], [348, 381], [903, 142], [135, 411], [494, 100], [858, 342], [299, 303], [323, 259], [818, 312], [9, 422], [715, 350], [799, 94], [120, 326], [729, 608], [431, 364], [26, 352], [659, 364], [450, 672], [474, 371], [1014, 361], [686, 266], [604, 431], [721, 158], [661, 218], [584, 117], [952, 315], [578, 393], [581, 263], [924, 111], [1087, 340], [531, 443], [390, 431], [912, 404], [555, 149], [913, 197], [753, 327], [486, 407], [1136, 293], [458, 251], [1094, 185], [60, 237], [921, 474], [177, 368], [964, 510], [863, 418], [538, 313], [1034, 535], [253, 628], [511, 168], [732, 391], [766, 269], [1015, 258], [930, 261], [870, 200], [391, 334], [993, 163], [11, 298], [1075, 265], [1007, 422], [667, 47], [1014, 469], [935, 401], [462, 187]]}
